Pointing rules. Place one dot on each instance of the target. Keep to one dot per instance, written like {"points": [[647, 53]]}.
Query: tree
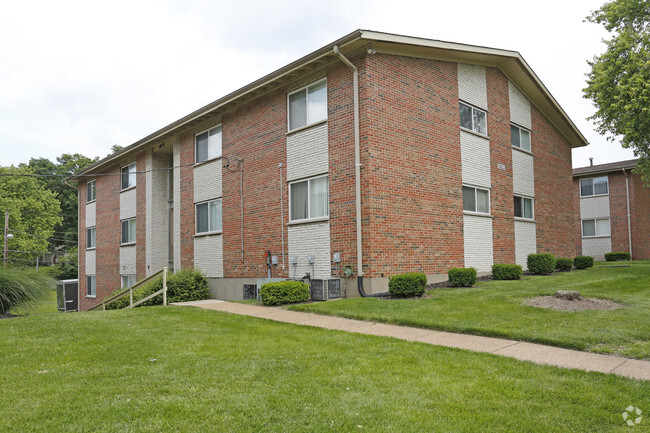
{"points": [[619, 80], [34, 211]]}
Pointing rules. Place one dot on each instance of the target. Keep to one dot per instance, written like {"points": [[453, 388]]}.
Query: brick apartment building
{"points": [[612, 210], [375, 155]]}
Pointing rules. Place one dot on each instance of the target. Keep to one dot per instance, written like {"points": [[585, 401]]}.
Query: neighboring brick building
{"points": [[612, 210], [464, 159]]}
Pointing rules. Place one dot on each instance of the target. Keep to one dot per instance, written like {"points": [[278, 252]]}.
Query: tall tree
{"points": [[619, 80]]}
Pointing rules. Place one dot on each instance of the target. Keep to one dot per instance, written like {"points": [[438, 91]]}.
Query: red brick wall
{"points": [[640, 198], [554, 199], [411, 172], [141, 216], [501, 197], [618, 211]]}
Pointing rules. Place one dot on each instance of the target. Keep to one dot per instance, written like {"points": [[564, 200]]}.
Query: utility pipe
{"points": [[629, 225], [281, 212]]}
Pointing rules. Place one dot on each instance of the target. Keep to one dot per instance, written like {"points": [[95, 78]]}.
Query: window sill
{"points": [[478, 134], [527, 152], [129, 244], [91, 201], [597, 237], [213, 233], [594, 195], [91, 249], [91, 296], [127, 189], [207, 161], [302, 128], [525, 220], [308, 221], [478, 214]]}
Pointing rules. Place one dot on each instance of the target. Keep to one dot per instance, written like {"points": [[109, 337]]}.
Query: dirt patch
{"points": [[575, 305]]}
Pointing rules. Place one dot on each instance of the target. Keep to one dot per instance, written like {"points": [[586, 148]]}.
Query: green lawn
{"points": [[47, 305], [496, 308], [189, 370]]}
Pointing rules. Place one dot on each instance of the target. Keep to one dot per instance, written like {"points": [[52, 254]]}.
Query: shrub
{"points": [[506, 272], [583, 262], [614, 257], [563, 265], [66, 269], [22, 287], [409, 284], [284, 292], [184, 285], [541, 264], [462, 277]]}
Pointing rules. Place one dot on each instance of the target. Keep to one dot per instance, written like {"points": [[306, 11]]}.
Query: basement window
{"points": [[308, 105], [473, 118], [128, 281], [208, 144], [520, 137], [91, 289], [523, 207], [476, 200]]}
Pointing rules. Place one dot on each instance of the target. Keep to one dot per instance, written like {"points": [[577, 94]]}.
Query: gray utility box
{"points": [[67, 295], [322, 290]]}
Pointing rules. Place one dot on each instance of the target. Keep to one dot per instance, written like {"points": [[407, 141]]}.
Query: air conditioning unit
{"points": [[322, 290]]}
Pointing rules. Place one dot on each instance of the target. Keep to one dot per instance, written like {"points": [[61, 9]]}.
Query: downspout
{"points": [[629, 225], [281, 212], [357, 173]]}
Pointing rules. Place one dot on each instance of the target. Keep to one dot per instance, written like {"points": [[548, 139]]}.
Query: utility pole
{"points": [[6, 236]]}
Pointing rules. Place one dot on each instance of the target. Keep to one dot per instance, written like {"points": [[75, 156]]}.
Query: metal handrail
{"points": [[129, 291]]}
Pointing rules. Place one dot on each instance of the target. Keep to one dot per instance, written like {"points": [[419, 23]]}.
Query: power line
{"points": [[93, 175]]}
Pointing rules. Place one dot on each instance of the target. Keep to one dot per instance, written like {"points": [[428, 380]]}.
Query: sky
{"points": [[82, 76]]}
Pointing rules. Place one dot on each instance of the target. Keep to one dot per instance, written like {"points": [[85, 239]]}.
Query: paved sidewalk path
{"points": [[536, 353]]}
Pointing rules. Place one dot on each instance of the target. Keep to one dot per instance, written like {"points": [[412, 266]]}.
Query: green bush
{"points": [[506, 272], [462, 277], [583, 262], [563, 265], [409, 284], [66, 268], [22, 287], [284, 292], [541, 263], [615, 257], [184, 285]]}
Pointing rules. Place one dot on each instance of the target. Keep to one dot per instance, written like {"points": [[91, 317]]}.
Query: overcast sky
{"points": [[81, 76]]}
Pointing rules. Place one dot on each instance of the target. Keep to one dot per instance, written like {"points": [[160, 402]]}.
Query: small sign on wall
{"points": [[501, 166]]}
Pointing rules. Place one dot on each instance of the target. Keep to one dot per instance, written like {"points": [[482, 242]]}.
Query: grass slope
{"points": [[182, 369], [496, 308]]}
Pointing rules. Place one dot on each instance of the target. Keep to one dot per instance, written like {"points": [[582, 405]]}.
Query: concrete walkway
{"points": [[523, 351]]}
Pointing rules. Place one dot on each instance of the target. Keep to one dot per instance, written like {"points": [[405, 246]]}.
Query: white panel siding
{"points": [[475, 159], [525, 241], [208, 255], [127, 204], [594, 207], [207, 181], [157, 205], [305, 239], [127, 260], [91, 267], [472, 85], [478, 242], [519, 107], [523, 173], [597, 247], [177, 205], [91, 212], [307, 153]]}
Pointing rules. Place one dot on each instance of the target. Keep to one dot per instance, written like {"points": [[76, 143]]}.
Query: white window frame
{"points": [[196, 144], [309, 217], [132, 176], [523, 207], [131, 235], [91, 234], [474, 108], [91, 186], [530, 139], [196, 218], [308, 121], [475, 188], [91, 289], [593, 188], [596, 235], [126, 279]]}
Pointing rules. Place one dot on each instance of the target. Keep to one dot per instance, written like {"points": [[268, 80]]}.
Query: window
{"points": [[90, 191], [309, 198], [91, 237], [594, 186], [523, 207], [128, 231], [308, 105], [128, 176], [520, 137], [128, 281], [208, 216], [476, 199], [595, 227], [91, 290], [208, 144], [473, 119]]}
